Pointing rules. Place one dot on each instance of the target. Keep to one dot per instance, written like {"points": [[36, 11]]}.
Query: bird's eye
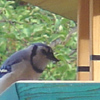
{"points": [[44, 52], [50, 51]]}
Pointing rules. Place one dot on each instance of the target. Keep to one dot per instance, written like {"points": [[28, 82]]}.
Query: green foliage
{"points": [[23, 25]]}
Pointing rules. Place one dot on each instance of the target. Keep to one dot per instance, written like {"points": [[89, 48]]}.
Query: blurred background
{"points": [[22, 24]]}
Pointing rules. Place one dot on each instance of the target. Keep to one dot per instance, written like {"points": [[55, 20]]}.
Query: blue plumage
{"points": [[4, 70]]}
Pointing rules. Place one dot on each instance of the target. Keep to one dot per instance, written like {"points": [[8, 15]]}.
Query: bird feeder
{"points": [[87, 15]]}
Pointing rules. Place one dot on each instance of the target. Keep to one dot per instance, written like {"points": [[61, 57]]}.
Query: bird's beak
{"points": [[52, 57]]}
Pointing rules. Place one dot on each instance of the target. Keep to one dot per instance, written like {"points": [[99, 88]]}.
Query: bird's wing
{"points": [[12, 60], [7, 68]]}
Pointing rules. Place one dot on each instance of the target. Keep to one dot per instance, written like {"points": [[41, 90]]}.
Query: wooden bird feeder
{"points": [[87, 15]]}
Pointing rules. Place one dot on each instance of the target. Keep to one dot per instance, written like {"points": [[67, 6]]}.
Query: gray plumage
{"points": [[26, 64]]}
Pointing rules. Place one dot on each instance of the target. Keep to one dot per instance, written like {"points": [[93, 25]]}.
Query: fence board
{"points": [[54, 91]]}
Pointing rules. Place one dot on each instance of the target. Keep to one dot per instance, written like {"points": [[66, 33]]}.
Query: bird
{"points": [[26, 64]]}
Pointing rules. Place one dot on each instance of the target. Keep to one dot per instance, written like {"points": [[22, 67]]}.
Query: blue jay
{"points": [[26, 64]]}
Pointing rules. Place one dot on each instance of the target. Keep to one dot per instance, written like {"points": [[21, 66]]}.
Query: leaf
{"points": [[21, 26]]}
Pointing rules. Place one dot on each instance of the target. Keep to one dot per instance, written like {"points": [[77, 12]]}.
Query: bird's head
{"points": [[42, 50], [41, 54]]}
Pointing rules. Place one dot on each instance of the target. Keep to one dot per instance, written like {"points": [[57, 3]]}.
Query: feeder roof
{"points": [[65, 8]]}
